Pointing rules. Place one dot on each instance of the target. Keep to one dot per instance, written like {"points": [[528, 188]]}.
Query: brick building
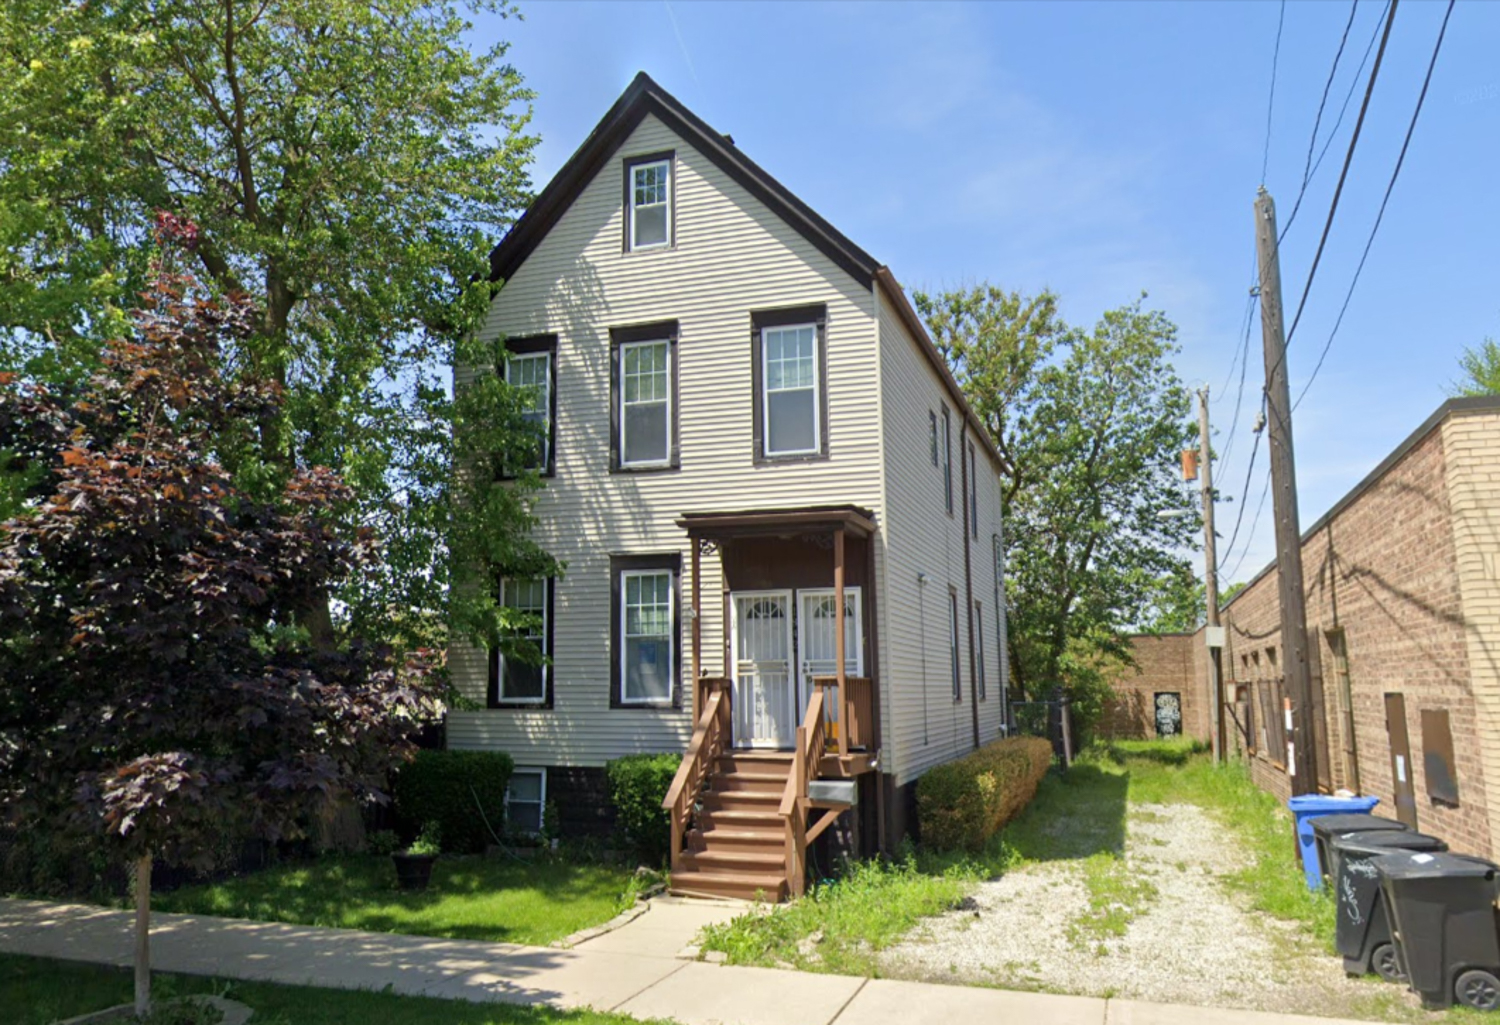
{"points": [[1402, 582], [1164, 694]]}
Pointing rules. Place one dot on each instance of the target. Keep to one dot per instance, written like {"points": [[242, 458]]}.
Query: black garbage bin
{"points": [[1363, 930], [1325, 827], [1442, 909]]}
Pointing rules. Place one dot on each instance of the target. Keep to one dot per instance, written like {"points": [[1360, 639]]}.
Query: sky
{"points": [[1103, 150]]}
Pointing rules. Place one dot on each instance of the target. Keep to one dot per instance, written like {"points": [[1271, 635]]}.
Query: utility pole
{"points": [[1213, 634], [1301, 755]]}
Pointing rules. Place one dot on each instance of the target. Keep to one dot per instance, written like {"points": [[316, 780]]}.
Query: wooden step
{"points": [[745, 781], [764, 859], [756, 761], [742, 800], [755, 841], [769, 886], [768, 820]]}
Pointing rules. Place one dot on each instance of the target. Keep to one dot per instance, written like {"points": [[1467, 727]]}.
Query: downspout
{"points": [[964, 460]]}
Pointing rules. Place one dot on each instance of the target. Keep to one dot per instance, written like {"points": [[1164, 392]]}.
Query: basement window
{"points": [[524, 800]]}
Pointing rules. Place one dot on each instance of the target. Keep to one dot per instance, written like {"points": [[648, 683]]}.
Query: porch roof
{"points": [[821, 519]]}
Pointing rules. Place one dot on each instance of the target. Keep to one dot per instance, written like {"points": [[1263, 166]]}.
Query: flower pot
{"points": [[413, 871]]}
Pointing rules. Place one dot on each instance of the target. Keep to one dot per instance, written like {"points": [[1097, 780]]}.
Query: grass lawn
{"points": [[38, 991], [842, 926], [471, 898]]}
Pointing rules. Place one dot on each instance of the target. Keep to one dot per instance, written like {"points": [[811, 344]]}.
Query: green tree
{"points": [[347, 166], [1090, 425], [1481, 367]]}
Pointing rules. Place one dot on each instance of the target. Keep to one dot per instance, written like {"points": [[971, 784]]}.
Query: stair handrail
{"points": [[811, 739], [710, 740]]}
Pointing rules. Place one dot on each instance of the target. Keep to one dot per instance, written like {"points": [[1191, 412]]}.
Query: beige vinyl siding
{"points": [[923, 725], [731, 256]]}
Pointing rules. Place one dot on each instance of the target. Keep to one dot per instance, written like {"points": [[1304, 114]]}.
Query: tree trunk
{"points": [[143, 935]]}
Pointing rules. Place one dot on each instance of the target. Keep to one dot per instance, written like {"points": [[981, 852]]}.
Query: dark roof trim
{"points": [[1453, 407], [897, 296], [806, 520], [643, 96]]}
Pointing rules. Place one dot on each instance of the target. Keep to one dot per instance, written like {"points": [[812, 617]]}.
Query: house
{"points": [[748, 428]]}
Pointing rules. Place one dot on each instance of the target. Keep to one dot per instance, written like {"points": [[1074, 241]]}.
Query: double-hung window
{"points": [[645, 630], [978, 625], [958, 692], [648, 193], [932, 429], [947, 454], [523, 677], [791, 400], [973, 492], [525, 798], [531, 367], [644, 431]]}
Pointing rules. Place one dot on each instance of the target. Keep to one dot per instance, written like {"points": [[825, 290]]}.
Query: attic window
{"points": [[648, 187]]}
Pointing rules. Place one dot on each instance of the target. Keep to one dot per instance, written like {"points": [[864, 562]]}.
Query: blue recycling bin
{"points": [[1308, 807]]}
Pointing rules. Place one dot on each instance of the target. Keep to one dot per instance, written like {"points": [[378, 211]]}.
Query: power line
{"points": [[1359, 124], [1265, 160], [1380, 214], [1240, 516], [1312, 142], [1253, 523], [1353, 85]]}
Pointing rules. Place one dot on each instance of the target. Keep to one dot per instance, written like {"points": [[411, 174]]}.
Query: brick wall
{"points": [[1382, 572], [1164, 663]]}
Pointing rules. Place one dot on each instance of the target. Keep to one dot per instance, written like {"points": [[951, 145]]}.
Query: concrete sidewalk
{"points": [[633, 970]]}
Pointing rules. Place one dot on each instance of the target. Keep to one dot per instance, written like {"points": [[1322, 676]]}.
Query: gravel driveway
{"points": [[1157, 925]]}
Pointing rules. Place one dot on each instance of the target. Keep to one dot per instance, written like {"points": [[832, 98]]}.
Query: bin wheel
{"points": [[1478, 989], [1386, 964]]}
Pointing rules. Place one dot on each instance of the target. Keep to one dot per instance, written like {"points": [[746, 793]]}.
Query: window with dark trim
{"points": [[932, 426], [947, 454], [979, 651], [958, 690], [645, 631], [643, 397], [973, 492], [789, 372], [650, 207], [531, 364], [514, 682]]}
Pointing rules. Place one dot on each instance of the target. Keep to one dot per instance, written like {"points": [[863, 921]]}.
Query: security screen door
{"points": [[765, 689], [815, 637]]}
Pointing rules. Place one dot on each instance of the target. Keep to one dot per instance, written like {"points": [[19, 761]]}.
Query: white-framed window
{"points": [[647, 637], [958, 692], [646, 403], [650, 203], [532, 371], [790, 373], [947, 454], [519, 682], [525, 798]]}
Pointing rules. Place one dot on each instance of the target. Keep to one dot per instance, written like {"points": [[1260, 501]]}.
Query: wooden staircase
{"points": [[737, 845]]}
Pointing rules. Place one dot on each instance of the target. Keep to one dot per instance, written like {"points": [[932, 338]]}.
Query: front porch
{"points": [[791, 720]]}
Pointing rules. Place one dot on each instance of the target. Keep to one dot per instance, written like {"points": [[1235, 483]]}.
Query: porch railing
{"points": [[849, 710], [795, 801], [710, 739]]}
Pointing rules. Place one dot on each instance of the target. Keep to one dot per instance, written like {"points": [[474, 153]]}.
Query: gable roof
{"points": [[642, 97]]}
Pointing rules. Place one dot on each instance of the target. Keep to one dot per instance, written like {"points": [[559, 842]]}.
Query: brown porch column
{"points": [[697, 631], [838, 638]]}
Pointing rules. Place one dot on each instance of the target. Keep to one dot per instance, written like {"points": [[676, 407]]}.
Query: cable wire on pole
{"points": [[1312, 142], [1240, 514], [1254, 521], [1380, 214], [1333, 207], [1265, 160]]}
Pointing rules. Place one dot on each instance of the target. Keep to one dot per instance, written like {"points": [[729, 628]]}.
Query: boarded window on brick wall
{"points": [[1437, 756], [1264, 694], [1244, 712]]}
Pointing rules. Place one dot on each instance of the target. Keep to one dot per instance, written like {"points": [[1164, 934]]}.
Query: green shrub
{"points": [[637, 786], [459, 790], [962, 804]]}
